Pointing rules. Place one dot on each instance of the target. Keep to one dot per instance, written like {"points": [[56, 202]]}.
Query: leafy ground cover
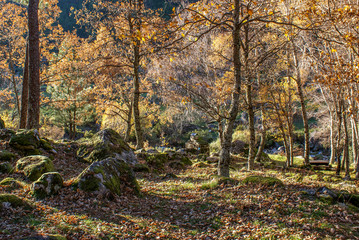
{"points": [[188, 204]]}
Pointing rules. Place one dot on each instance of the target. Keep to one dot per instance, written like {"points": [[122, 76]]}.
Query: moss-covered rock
{"points": [[48, 184], [2, 124], [157, 160], [45, 144], [104, 144], [6, 167], [25, 140], [109, 174], [34, 166], [6, 156], [257, 179], [10, 200], [176, 165], [6, 134], [141, 168], [12, 183], [186, 161]]}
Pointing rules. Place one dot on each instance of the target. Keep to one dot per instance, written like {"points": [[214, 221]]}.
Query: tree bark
{"points": [[225, 154], [252, 139], [346, 147], [25, 90], [262, 142], [128, 122], [33, 118], [136, 99]]}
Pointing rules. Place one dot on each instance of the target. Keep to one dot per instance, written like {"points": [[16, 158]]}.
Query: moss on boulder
{"points": [[25, 139], [267, 181], [12, 183], [6, 167], [34, 166], [104, 144], [6, 134], [6, 156], [10, 200], [141, 168], [109, 174], [48, 184]]}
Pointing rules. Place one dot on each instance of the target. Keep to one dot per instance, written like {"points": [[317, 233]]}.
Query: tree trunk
{"points": [[25, 90], [12, 70], [225, 156], [332, 140], [338, 150], [346, 147], [33, 118], [252, 139], [136, 98], [128, 122], [263, 139], [305, 123]]}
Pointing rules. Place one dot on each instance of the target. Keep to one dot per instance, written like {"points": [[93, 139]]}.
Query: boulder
{"points": [[106, 175], [26, 140], [199, 143], [5, 167], [104, 144], [267, 181], [34, 166], [2, 124], [48, 184], [10, 200], [6, 156], [141, 168], [12, 183], [6, 134]]}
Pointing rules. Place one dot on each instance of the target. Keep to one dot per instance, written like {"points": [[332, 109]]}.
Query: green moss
{"points": [[34, 166], [176, 165], [141, 168], [6, 167], [257, 179], [186, 161], [102, 145], [25, 139], [45, 144], [157, 160], [14, 201], [48, 184], [6, 156], [12, 183], [111, 174]]}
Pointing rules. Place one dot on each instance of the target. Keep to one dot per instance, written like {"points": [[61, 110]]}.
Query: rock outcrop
{"points": [[108, 175], [104, 144], [48, 184], [34, 166]]}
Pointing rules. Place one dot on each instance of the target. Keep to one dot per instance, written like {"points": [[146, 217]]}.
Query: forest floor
{"points": [[188, 204]]}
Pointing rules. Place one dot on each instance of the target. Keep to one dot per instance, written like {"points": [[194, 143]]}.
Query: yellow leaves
{"points": [[333, 50]]}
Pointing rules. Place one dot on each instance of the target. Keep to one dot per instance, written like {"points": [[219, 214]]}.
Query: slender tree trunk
{"points": [[338, 150], [354, 140], [128, 122], [346, 147], [12, 69], [252, 139], [263, 139], [33, 119], [225, 156], [136, 99], [332, 140], [305, 123], [25, 90]]}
